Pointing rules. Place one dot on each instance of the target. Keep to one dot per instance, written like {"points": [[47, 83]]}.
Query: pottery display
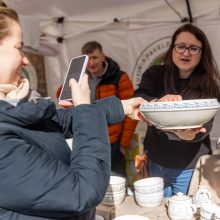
{"points": [[149, 200], [202, 195], [114, 199], [180, 207], [179, 114], [148, 192], [207, 211], [217, 212], [116, 184], [149, 185], [116, 191]]}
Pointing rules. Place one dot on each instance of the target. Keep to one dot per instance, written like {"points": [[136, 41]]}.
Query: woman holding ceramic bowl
{"points": [[189, 71]]}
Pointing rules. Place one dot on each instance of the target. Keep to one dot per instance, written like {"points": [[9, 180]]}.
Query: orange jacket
{"points": [[115, 82], [123, 90]]}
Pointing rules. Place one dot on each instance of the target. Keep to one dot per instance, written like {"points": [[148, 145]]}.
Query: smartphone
{"points": [[76, 70]]}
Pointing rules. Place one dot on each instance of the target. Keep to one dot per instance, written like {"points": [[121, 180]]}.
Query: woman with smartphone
{"points": [[41, 178]]}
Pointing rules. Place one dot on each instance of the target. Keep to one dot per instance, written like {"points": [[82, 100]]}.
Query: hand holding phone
{"points": [[76, 70]]}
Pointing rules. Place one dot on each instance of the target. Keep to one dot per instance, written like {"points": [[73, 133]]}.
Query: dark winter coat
{"points": [[40, 178]]}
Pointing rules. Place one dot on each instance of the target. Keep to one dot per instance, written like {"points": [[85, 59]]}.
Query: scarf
{"points": [[9, 91]]}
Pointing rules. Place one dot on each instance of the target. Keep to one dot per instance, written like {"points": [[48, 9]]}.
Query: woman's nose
{"points": [[25, 61]]}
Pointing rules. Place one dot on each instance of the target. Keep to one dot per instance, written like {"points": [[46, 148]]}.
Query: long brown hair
{"points": [[204, 81]]}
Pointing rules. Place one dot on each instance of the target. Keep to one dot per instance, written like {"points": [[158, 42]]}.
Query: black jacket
{"points": [[163, 149], [40, 178]]}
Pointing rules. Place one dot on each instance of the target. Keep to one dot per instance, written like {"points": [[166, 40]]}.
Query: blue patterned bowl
{"points": [[180, 114]]}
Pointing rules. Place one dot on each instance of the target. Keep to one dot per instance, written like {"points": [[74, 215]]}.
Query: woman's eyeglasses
{"points": [[181, 48]]}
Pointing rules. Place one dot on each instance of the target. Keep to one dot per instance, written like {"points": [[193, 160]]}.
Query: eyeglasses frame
{"points": [[187, 48]]}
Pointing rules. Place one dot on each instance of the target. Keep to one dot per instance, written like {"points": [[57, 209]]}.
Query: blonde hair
{"points": [[3, 4], [7, 15]]}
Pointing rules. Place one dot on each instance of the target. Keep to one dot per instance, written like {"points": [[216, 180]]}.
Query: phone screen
{"points": [[76, 70]]}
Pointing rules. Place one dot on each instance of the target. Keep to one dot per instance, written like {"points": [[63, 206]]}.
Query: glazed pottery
{"points": [[150, 199], [180, 207], [116, 184], [114, 199], [202, 195], [149, 185], [207, 211], [179, 114], [217, 212]]}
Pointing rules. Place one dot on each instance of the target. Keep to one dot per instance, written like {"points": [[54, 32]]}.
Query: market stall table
{"points": [[129, 207]]}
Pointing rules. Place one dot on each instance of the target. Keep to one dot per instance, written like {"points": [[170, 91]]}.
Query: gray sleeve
{"points": [[113, 109]]}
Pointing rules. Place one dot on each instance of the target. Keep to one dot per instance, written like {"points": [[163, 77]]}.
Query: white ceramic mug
{"points": [[207, 210]]}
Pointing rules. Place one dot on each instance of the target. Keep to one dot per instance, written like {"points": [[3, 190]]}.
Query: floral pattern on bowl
{"points": [[179, 114], [180, 105]]}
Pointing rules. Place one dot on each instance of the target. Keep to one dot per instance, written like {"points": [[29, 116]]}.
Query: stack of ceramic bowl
{"points": [[149, 191], [116, 191]]}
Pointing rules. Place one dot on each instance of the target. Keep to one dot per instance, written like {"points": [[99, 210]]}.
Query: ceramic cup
{"points": [[217, 212], [207, 210]]}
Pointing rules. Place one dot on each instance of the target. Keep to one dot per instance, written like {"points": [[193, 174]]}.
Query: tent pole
{"points": [[189, 11]]}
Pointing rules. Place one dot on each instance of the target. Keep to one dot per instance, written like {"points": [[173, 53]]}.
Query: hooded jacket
{"points": [[41, 178]]}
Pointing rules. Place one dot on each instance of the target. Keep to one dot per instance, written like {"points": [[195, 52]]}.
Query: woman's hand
{"points": [[131, 107], [169, 98], [188, 134], [80, 93]]}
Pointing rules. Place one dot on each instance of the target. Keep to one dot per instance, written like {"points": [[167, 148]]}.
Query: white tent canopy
{"points": [[99, 10]]}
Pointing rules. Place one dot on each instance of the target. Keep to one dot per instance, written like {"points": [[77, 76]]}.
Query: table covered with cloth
{"points": [[129, 207]]}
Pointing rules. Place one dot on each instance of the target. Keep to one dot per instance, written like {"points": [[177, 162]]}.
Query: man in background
{"points": [[107, 79]]}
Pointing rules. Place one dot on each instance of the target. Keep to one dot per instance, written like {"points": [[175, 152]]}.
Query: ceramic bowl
{"points": [[116, 184], [99, 217], [131, 217], [217, 212], [149, 200], [207, 211], [180, 114], [149, 185], [113, 199]]}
